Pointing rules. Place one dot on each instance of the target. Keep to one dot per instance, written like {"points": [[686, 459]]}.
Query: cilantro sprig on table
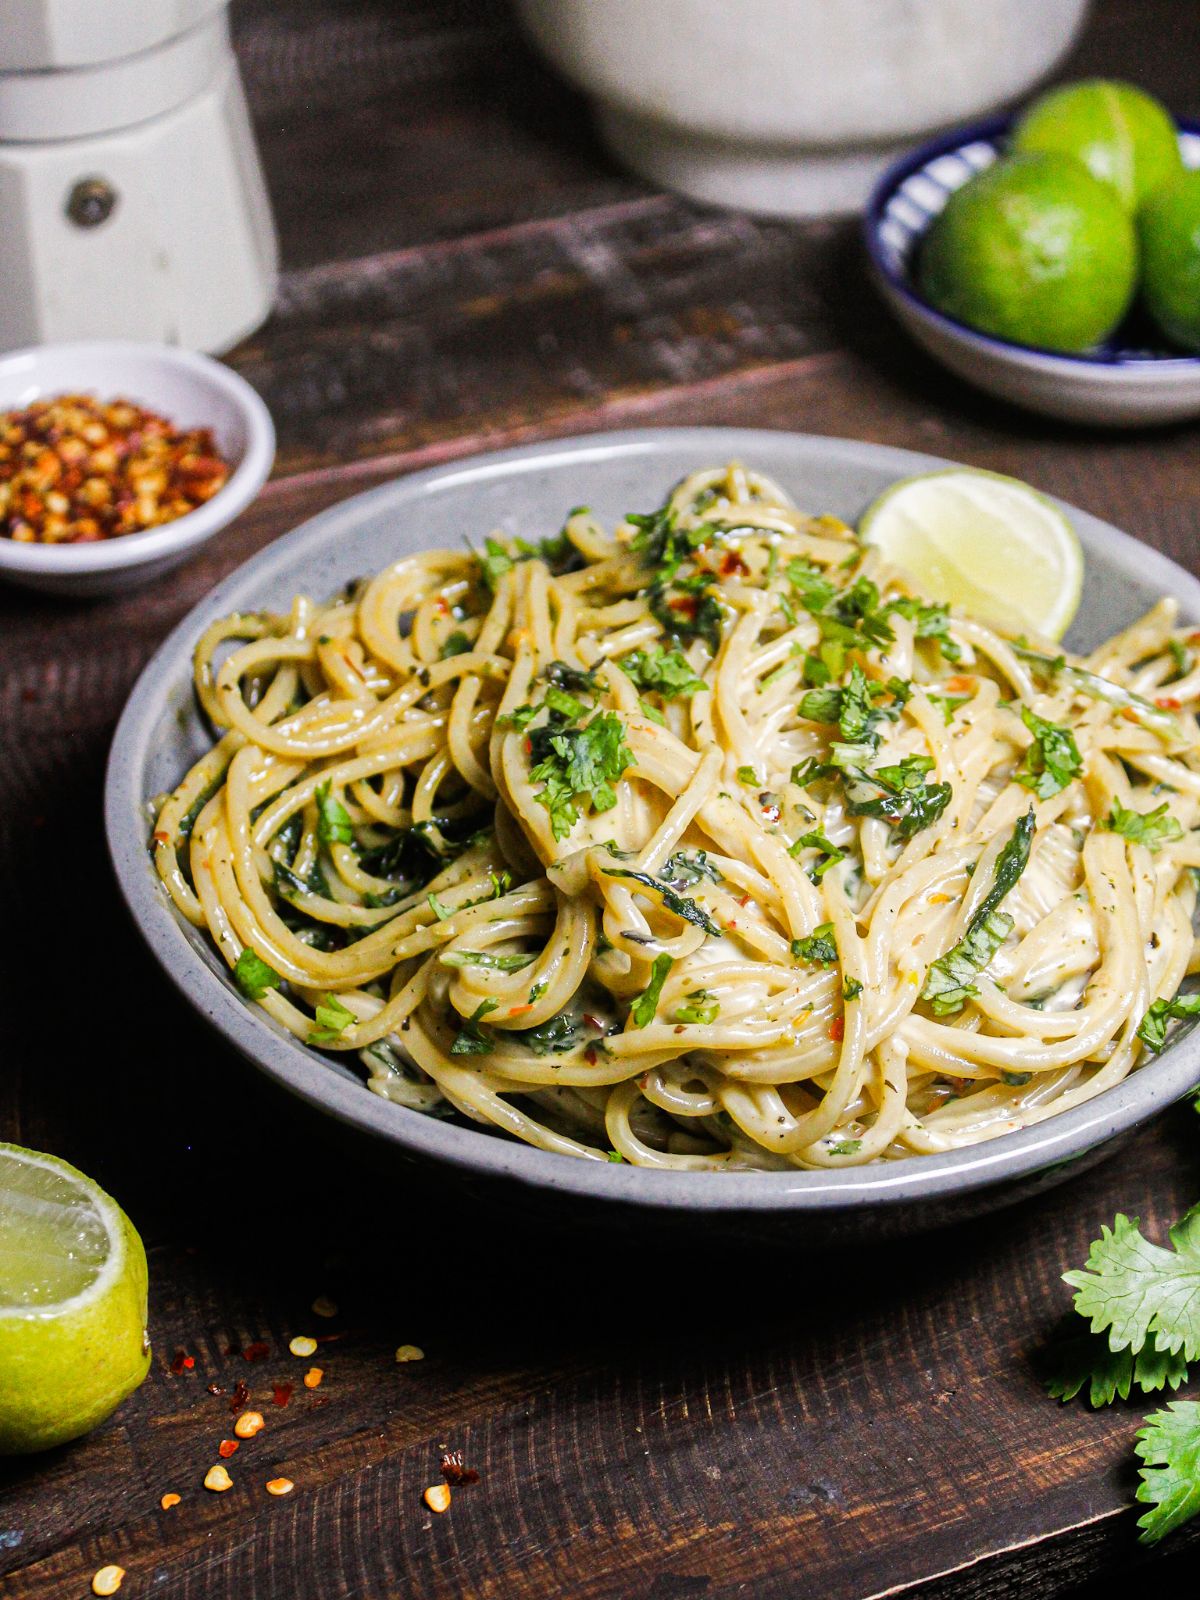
{"points": [[1141, 1301]]}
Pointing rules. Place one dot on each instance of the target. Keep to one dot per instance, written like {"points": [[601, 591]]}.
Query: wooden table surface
{"points": [[464, 268]]}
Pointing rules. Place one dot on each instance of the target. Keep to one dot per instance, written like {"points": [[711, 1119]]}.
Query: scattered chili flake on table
{"points": [[74, 469], [215, 1388], [323, 1306], [280, 1486], [302, 1345], [258, 1351], [108, 1580], [248, 1424], [227, 1447], [239, 1397], [454, 1472], [169, 1500], [437, 1497], [312, 1378], [182, 1362], [282, 1393], [410, 1352], [217, 1479]]}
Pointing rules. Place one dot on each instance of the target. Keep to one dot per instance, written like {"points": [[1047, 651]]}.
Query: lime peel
{"points": [[73, 1288]]}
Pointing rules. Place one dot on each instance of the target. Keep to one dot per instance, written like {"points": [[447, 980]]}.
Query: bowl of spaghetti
{"points": [[665, 849]]}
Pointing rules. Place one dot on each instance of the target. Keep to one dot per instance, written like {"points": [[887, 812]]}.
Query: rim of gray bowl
{"points": [[1061, 1139]]}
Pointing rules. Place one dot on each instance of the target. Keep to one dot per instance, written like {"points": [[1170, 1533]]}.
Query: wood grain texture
{"points": [[464, 268]]}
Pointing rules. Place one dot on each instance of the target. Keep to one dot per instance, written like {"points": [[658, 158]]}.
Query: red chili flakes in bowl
{"points": [[75, 469]]}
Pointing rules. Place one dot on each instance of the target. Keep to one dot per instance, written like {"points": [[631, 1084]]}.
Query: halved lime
{"points": [[73, 1284], [990, 545]]}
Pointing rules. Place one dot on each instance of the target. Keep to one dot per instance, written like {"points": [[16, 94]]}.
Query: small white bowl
{"points": [[1121, 384], [192, 391]]}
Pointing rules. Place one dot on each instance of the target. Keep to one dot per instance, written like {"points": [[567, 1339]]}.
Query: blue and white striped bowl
{"points": [[1126, 382]]}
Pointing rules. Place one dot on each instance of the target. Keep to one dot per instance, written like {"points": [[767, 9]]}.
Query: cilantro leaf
{"points": [[930, 622], [552, 1037], [686, 867], [1152, 1030], [1134, 1289], [681, 905], [494, 562], [948, 983], [820, 946], [821, 705], [332, 1020], [455, 644], [906, 800], [687, 607], [333, 820], [814, 589], [253, 976], [472, 1039], [699, 1006], [660, 671], [485, 958], [830, 854], [569, 677], [846, 1147], [1086, 1362], [643, 1008], [1169, 1445], [580, 763], [1052, 760], [1151, 828]]}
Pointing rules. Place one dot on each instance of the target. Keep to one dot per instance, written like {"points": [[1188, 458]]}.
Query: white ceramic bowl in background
{"points": [[192, 391], [792, 107], [1128, 382]]}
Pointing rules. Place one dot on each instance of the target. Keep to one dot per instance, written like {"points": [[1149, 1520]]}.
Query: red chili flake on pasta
{"points": [[282, 1393], [227, 1447], [454, 1472], [731, 562], [258, 1351], [1167, 702], [519, 1011], [837, 1029], [589, 1055], [685, 604], [240, 1396], [960, 684]]}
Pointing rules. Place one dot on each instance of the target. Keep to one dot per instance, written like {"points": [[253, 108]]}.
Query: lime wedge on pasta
{"points": [[73, 1339], [989, 545]]}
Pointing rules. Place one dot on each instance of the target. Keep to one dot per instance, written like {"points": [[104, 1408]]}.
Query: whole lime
{"points": [[1169, 230], [1121, 134], [1033, 249], [73, 1339]]}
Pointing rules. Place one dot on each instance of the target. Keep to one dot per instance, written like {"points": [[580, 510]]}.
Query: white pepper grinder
{"points": [[132, 202]]}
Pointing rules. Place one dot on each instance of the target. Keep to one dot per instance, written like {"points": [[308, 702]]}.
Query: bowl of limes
{"points": [[1053, 259]]}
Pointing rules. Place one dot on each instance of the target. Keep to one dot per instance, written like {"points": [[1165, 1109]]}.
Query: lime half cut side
{"points": [[73, 1283], [989, 545]]}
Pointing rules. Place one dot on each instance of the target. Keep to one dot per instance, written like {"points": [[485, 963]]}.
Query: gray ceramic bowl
{"points": [[527, 491]]}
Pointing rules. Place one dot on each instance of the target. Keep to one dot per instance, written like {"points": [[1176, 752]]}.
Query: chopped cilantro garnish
{"points": [[456, 644], [948, 984], [851, 989], [643, 1008], [930, 622], [333, 820], [332, 1020], [253, 976], [846, 1147], [660, 671], [820, 946], [1152, 1030], [748, 776], [830, 854], [1151, 828], [700, 1006], [681, 905], [577, 764], [485, 958], [1052, 760], [686, 867], [472, 1039]]}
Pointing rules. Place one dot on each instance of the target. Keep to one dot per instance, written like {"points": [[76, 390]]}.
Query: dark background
{"points": [[464, 268]]}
